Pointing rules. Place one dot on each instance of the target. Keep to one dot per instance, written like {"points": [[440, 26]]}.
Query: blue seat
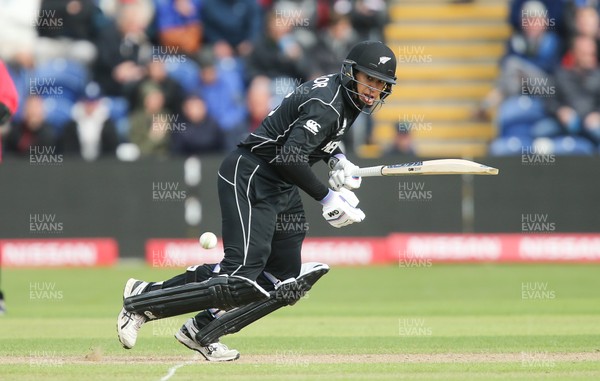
{"points": [[119, 114], [509, 145], [59, 78], [186, 73], [572, 146], [58, 112]]}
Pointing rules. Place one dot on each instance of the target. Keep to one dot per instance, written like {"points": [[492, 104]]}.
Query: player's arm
{"points": [[314, 125]]}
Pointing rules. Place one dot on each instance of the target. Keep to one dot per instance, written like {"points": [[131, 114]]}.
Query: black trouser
{"points": [[263, 223]]}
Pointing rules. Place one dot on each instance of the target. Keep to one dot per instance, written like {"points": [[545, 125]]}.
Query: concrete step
{"points": [[427, 113], [434, 53], [440, 130], [447, 2], [449, 12], [448, 72], [396, 33], [444, 149], [427, 91]]}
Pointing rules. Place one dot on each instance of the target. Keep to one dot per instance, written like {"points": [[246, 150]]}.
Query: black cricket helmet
{"points": [[375, 59]]}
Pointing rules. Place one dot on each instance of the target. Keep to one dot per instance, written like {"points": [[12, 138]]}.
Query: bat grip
{"points": [[368, 172]]}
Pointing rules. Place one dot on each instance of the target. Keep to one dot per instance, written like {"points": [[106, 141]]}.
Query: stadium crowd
{"points": [[547, 98], [135, 78]]}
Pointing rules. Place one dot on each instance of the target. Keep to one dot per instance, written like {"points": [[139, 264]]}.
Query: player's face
{"points": [[369, 88]]}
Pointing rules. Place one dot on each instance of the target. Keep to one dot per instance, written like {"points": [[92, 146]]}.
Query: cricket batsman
{"points": [[259, 183]]}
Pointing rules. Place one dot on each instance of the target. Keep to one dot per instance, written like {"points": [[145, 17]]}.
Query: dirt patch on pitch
{"points": [[298, 359]]}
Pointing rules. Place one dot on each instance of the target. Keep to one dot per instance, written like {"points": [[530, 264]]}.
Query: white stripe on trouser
{"points": [[237, 202]]}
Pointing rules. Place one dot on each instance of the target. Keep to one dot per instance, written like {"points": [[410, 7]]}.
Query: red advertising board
{"points": [[404, 248], [396, 248], [59, 252], [541, 247], [333, 251]]}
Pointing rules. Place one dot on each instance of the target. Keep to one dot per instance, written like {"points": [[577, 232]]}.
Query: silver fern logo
{"points": [[383, 60]]}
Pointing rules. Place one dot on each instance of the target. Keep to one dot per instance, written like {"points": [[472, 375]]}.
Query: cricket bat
{"points": [[428, 167]]}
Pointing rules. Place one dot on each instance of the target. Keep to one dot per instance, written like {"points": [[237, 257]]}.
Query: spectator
{"points": [[233, 24], [202, 134], [90, 134], [178, 24], [553, 12], [536, 42], [369, 17], [259, 100], [309, 14], [32, 131], [332, 46], [19, 36], [403, 142], [577, 101], [586, 22], [123, 49], [531, 56], [151, 125], [67, 29], [156, 73], [278, 54], [222, 88], [308, 17]]}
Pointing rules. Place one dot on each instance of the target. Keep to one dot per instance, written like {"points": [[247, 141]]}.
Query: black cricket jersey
{"points": [[306, 127]]}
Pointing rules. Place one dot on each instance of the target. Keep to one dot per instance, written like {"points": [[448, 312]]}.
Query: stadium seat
{"points": [[59, 78], [509, 146], [572, 146], [185, 73], [119, 108], [58, 112]]}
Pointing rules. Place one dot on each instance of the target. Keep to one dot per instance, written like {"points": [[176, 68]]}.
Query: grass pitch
{"points": [[431, 322]]}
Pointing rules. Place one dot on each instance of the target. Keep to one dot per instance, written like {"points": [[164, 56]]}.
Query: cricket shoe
{"points": [[129, 323], [212, 352]]}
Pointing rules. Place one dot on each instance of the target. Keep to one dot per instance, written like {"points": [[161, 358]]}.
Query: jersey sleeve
{"points": [[315, 124]]}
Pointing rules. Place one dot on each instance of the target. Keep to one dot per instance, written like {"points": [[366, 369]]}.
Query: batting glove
{"points": [[340, 174], [339, 208]]}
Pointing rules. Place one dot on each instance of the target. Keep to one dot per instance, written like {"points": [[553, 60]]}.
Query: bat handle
{"points": [[368, 172]]}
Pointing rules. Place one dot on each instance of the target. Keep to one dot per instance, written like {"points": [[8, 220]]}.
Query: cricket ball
{"points": [[208, 240]]}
